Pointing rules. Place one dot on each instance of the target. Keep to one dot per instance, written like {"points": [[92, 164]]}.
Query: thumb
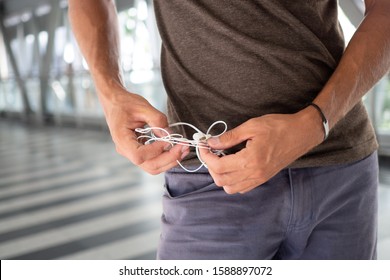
{"points": [[229, 139]]}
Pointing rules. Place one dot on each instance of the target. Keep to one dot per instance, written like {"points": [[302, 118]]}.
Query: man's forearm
{"points": [[94, 23], [365, 61]]}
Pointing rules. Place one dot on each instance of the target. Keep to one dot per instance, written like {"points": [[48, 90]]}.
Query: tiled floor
{"points": [[66, 194]]}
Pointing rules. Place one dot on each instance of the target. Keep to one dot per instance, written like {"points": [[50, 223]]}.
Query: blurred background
{"points": [[64, 192]]}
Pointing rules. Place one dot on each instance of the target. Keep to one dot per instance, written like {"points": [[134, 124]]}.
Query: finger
{"points": [[230, 138], [169, 165], [150, 151], [225, 164], [163, 168], [253, 186], [252, 182], [242, 187], [163, 132], [155, 118], [231, 178], [138, 153], [166, 160], [143, 111]]}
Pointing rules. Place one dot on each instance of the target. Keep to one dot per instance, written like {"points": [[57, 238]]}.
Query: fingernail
{"points": [[167, 147]]}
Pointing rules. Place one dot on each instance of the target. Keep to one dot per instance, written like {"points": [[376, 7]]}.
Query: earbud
{"points": [[198, 136]]}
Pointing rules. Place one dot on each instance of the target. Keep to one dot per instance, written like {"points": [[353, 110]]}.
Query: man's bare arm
{"points": [[365, 61], [95, 27], [94, 23]]}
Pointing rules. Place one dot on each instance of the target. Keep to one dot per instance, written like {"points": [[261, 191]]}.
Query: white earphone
{"points": [[199, 139]]}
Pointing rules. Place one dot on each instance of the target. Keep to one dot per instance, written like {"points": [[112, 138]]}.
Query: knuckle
{"points": [[118, 150], [150, 167], [229, 190], [219, 181], [153, 168], [137, 160], [160, 118], [154, 172], [252, 122]]}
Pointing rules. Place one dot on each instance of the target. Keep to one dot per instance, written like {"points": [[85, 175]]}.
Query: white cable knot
{"points": [[199, 139]]}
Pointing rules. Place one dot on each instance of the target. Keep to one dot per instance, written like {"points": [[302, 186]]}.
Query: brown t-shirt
{"points": [[234, 60]]}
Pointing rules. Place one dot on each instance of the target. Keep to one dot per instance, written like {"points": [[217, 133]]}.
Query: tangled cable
{"points": [[199, 139]]}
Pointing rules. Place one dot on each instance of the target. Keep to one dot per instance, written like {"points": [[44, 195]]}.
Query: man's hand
{"points": [[272, 143], [130, 111]]}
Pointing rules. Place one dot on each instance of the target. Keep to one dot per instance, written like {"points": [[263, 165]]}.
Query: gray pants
{"points": [[305, 213]]}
